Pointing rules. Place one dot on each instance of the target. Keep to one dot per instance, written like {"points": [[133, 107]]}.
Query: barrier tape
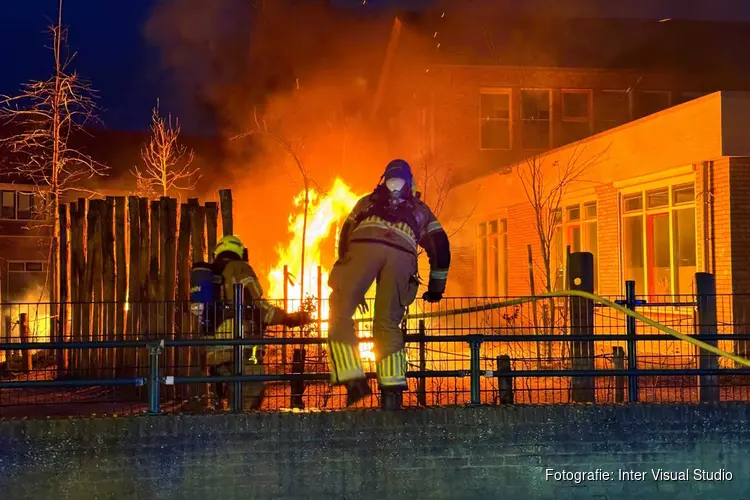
{"points": [[590, 296]]}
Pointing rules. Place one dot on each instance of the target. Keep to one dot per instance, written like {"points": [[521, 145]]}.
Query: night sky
{"points": [[113, 54]]}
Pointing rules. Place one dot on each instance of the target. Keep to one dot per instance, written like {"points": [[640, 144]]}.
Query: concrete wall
{"points": [[452, 453]]}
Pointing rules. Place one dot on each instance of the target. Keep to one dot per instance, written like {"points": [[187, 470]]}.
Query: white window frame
{"points": [[482, 269], [496, 91], [575, 119], [524, 120], [564, 224], [643, 189]]}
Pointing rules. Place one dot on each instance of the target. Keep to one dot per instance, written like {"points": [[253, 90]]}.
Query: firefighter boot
{"points": [[356, 390], [391, 398]]}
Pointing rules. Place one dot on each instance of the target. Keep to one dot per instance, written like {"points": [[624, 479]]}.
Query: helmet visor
{"points": [[395, 184]]}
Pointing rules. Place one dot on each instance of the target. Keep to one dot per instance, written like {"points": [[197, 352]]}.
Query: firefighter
{"points": [[379, 242], [230, 263]]}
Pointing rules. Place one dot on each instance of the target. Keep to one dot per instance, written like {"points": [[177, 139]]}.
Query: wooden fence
{"points": [[125, 275]]}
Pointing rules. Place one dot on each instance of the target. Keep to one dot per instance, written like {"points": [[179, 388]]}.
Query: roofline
{"points": [[554, 68]]}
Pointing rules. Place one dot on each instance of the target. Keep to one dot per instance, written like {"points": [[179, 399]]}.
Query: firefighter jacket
{"points": [[421, 229], [259, 316]]}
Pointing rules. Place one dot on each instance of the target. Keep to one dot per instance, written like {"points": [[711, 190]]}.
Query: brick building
{"points": [[660, 198]]}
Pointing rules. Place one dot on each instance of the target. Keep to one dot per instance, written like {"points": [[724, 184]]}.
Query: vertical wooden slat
{"points": [[75, 327], [108, 277], [197, 240], [121, 278], [62, 324], [183, 287], [153, 271], [211, 212], [88, 285], [143, 282], [97, 206], [227, 224], [134, 291], [167, 253]]}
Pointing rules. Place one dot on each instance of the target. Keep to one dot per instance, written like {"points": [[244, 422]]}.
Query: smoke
{"points": [[303, 70]]}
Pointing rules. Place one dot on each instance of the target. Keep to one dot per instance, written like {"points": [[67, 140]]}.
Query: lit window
{"points": [[613, 108], [576, 115], [651, 101], [535, 119], [492, 258], [25, 206], [9, 204], [495, 119], [659, 244], [577, 229]]}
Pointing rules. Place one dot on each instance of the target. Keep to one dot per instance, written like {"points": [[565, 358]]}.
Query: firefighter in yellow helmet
{"points": [[378, 243], [230, 263]]}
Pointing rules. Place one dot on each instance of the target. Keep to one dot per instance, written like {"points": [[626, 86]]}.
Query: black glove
{"points": [[297, 319], [432, 296]]}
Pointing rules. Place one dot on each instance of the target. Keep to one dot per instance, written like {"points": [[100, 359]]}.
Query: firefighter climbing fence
{"points": [[460, 351]]}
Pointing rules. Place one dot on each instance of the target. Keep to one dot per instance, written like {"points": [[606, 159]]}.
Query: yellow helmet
{"points": [[229, 243]]}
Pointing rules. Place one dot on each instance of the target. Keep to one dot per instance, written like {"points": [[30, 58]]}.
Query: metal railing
{"points": [[464, 351]]}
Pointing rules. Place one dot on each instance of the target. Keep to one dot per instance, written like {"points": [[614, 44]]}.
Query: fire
{"points": [[326, 213]]}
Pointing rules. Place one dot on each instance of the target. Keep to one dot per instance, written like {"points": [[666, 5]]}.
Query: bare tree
{"points": [[42, 119], [167, 164]]}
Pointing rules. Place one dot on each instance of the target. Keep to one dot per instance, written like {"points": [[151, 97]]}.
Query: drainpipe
{"points": [[709, 256]]}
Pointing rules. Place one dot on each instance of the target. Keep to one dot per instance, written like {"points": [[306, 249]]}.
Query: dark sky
{"points": [[112, 51]]}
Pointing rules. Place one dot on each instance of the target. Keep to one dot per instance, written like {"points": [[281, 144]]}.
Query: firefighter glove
{"points": [[298, 319], [432, 296]]}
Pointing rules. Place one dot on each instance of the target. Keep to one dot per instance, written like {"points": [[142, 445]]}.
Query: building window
{"points": [[577, 229], [26, 206], [689, 96], [576, 115], [652, 101], [9, 204], [535, 119], [492, 258], [495, 119], [659, 242], [613, 108]]}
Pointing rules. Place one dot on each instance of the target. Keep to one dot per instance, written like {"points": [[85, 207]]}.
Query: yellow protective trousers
{"points": [[351, 277]]}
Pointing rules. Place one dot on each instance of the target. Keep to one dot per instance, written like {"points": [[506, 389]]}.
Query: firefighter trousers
{"points": [[252, 392], [394, 272]]}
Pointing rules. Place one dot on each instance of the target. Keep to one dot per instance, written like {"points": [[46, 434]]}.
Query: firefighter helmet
{"points": [[229, 243]]}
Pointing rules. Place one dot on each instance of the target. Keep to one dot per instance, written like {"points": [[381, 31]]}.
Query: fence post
{"points": [[618, 359], [705, 285], [504, 380], [153, 377], [298, 386], [632, 355], [23, 333], [475, 344], [582, 323], [422, 381], [238, 349]]}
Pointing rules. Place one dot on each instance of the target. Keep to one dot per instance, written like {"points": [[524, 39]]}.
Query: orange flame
{"points": [[326, 213]]}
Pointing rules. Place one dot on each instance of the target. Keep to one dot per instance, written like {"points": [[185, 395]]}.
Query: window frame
{"points": [[523, 120], [496, 91], [644, 212], [669, 101], [564, 225], [482, 268], [15, 204], [608, 124], [590, 120]]}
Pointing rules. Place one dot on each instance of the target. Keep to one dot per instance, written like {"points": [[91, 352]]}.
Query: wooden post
{"points": [[121, 279], [582, 323], [108, 278], [143, 257], [88, 287], [211, 211], [134, 291], [705, 285], [618, 360], [286, 308], [23, 330], [77, 276], [153, 271], [168, 257], [183, 287], [97, 206], [161, 305], [62, 324], [298, 386], [422, 381], [227, 224], [504, 380], [197, 240]]}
